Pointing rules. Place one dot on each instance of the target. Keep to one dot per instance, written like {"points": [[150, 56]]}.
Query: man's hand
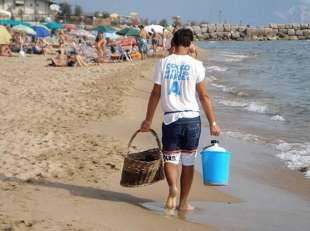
{"points": [[215, 130], [145, 126]]}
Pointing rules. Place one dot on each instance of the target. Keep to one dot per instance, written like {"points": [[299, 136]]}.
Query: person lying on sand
{"points": [[68, 60], [5, 51], [178, 78], [61, 59]]}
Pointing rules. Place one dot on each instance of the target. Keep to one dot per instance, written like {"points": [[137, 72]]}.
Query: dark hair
{"points": [[99, 36], [183, 37]]}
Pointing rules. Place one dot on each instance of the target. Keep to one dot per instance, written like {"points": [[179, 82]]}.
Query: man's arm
{"points": [[208, 108], [152, 105]]}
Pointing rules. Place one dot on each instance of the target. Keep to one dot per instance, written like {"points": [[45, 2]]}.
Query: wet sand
{"points": [[63, 134]]}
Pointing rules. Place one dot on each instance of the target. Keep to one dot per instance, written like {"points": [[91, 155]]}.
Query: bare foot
{"points": [[186, 207], [171, 202]]}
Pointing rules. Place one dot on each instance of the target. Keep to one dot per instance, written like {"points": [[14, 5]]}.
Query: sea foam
{"points": [[223, 87], [211, 79], [277, 118], [245, 136], [231, 103], [296, 155], [216, 69], [249, 106], [255, 107], [234, 57]]}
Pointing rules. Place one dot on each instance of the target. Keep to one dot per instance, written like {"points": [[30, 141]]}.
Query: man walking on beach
{"points": [[177, 79]]}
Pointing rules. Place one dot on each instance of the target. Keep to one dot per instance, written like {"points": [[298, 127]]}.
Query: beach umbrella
{"points": [[70, 27], [104, 29], [12, 22], [41, 32], [5, 14], [40, 25], [24, 29], [111, 35], [129, 31], [83, 33], [54, 25], [5, 37], [156, 28]]}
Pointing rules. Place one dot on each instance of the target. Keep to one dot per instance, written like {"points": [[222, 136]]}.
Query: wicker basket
{"points": [[142, 168]]}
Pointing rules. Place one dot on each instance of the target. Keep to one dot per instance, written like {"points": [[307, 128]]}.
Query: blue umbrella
{"points": [[41, 31]]}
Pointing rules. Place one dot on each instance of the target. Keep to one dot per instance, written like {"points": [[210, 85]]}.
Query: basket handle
{"points": [[138, 131]]}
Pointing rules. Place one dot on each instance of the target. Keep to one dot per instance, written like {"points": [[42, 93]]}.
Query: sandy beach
{"points": [[63, 134]]}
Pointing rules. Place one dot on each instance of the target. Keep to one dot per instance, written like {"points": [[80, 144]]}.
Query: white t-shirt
{"points": [[178, 76]]}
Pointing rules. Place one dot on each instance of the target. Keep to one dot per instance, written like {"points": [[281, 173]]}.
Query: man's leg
{"points": [[172, 156], [187, 175], [171, 172]]}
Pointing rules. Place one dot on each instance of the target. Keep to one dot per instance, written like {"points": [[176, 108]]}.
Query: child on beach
{"points": [[178, 78]]}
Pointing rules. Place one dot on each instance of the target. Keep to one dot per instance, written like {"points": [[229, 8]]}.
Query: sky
{"points": [[254, 12]]}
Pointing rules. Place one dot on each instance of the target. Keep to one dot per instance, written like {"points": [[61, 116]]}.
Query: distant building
{"points": [[27, 9]]}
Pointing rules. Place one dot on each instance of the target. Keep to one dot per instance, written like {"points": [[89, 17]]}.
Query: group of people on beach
{"points": [[76, 51]]}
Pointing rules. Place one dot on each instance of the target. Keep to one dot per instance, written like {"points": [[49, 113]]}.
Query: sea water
{"points": [[261, 92]]}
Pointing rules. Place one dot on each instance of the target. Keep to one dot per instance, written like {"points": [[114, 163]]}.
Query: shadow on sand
{"points": [[83, 191]]}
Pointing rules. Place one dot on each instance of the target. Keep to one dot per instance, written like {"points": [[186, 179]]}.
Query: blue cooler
{"points": [[215, 164]]}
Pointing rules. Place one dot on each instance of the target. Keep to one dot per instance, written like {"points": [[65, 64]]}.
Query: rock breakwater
{"points": [[293, 31]]}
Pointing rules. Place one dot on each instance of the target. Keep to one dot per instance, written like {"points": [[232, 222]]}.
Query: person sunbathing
{"points": [[61, 59], [6, 51], [77, 61], [68, 60]]}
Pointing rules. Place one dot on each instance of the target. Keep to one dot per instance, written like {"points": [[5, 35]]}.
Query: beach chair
{"points": [[124, 54], [116, 56]]}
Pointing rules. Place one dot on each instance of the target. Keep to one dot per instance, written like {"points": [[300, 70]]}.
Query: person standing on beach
{"points": [[177, 79], [155, 42], [142, 42], [100, 47]]}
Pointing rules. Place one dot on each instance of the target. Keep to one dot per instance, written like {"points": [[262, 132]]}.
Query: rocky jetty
{"points": [[243, 33]]}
